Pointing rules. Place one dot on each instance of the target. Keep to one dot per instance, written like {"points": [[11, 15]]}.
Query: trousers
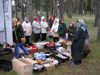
{"points": [[20, 44]]}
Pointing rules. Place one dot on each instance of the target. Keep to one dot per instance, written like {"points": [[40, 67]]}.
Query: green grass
{"points": [[89, 66], [89, 20]]}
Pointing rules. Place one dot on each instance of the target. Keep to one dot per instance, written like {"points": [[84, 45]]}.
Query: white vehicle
{"points": [[5, 23]]}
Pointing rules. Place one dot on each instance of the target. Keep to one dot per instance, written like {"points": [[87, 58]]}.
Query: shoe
{"points": [[73, 64]]}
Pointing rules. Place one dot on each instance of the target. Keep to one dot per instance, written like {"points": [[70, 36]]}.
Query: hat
{"points": [[53, 17], [73, 23], [42, 17], [81, 21], [35, 18], [57, 20]]}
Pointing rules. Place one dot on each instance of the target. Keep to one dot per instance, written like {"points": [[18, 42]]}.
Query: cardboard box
{"points": [[23, 66], [50, 67], [30, 61], [65, 44]]}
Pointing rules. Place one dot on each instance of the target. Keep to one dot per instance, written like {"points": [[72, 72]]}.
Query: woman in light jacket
{"points": [[43, 28], [27, 29], [36, 29], [54, 29]]}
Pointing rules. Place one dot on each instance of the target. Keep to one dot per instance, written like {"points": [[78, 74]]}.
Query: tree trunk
{"points": [[50, 3], [52, 7], [36, 12], [22, 9], [16, 3], [85, 7], [30, 10], [82, 8], [98, 35], [61, 8], [79, 7], [30, 13], [67, 7], [97, 13], [98, 22], [70, 9], [47, 13], [55, 7]]}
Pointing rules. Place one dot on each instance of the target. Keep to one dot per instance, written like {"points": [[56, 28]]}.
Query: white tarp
{"points": [[8, 21], [1, 16], [2, 28]]}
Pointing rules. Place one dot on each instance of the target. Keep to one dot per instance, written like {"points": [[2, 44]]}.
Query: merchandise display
{"points": [[43, 61]]}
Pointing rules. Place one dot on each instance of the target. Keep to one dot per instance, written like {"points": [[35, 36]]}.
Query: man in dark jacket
{"points": [[78, 44], [18, 36]]}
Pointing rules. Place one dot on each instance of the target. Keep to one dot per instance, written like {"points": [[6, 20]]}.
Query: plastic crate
{"points": [[37, 71], [32, 49], [62, 60], [28, 44]]}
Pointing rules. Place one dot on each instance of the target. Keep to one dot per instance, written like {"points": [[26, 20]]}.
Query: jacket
{"points": [[18, 33], [70, 30], [50, 23], [36, 27], [28, 28], [87, 35], [55, 28], [62, 30], [78, 43], [43, 25]]}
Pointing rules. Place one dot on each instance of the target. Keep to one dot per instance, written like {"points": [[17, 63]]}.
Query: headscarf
{"points": [[42, 18], [25, 20], [35, 18], [81, 22], [73, 23], [57, 20], [51, 17]]}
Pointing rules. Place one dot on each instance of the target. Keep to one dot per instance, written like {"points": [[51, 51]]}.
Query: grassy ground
{"points": [[89, 66]]}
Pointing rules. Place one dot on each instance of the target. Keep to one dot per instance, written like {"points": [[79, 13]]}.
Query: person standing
{"points": [[18, 36], [62, 29], [70, 31], [78, 43], [50, 22], [27, 29], [39, 19], [36, 29], [43, 28], [54, 29]]}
